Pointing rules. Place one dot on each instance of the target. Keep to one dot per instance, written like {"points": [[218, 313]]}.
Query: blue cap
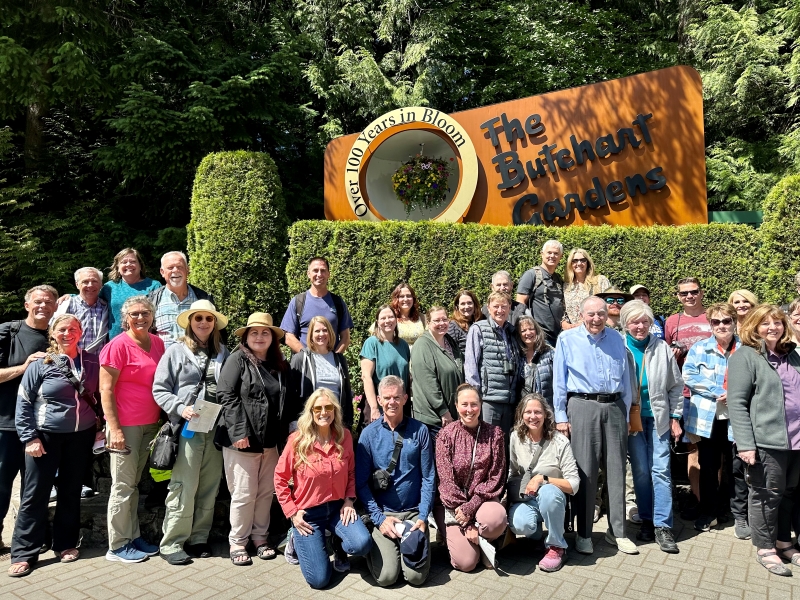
{"points": [[414, 548]]}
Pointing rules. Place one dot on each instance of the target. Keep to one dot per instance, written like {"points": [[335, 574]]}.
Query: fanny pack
{"points": [[382, 478]]}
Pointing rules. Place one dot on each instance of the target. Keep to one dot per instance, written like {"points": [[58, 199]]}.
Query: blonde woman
{"points": [[319, 460], [743, 301], [580, 282]]}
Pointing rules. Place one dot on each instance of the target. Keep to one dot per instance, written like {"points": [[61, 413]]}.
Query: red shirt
{"points": [[327, 478]]}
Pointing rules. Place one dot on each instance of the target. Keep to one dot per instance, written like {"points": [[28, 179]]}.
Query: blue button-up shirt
{"points": [[413, 478], [587, 364]]}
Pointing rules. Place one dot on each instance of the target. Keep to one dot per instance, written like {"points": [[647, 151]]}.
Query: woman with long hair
{"points": [[466, 310], [319, 462], [580, 282], [127, 277], [411, 321], [743, 301], [254, 423]]}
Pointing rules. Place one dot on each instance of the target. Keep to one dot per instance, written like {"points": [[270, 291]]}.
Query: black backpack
{"points": [[300, 303]]}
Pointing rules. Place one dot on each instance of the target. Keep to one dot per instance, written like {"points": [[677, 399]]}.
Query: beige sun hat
{"points": [[260, 319], [202, 306]]}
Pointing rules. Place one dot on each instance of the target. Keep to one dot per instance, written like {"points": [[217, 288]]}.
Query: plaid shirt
{"points": [[704, 374], [94, 322], [167, 312]]}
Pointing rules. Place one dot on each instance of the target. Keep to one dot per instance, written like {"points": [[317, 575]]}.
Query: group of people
{"points": [[481, 422]]}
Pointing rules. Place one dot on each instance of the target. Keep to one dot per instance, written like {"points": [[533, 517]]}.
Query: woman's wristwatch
{"points": [[545, 479]]}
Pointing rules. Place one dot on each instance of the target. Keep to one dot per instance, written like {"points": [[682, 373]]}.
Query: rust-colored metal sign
{"points": [[627, 152]]}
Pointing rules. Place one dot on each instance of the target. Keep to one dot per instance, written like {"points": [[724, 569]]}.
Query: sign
{"points": [[628, 152]]}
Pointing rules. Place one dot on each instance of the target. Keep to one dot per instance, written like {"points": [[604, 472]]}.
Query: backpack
{"points": [[13, 331], [538, 279], [300, 304]]}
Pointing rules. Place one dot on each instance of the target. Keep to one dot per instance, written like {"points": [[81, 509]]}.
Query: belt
{"points": [[602, 398]]}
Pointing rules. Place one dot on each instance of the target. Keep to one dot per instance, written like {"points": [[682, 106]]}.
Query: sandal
{"points": [[774, 568], [794, 558], [240, 553], [68, 556], [21, 572], [266, 552]]}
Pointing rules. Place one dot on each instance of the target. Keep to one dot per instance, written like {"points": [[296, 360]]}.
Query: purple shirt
{"points": [[790, 379]]}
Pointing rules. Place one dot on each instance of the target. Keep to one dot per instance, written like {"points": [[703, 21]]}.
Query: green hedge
{"points": [[237, 234], [780, 236]]}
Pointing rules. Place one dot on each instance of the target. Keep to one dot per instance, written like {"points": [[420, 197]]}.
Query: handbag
{"points": [[516, 485], [635, 414], [164, 447]]}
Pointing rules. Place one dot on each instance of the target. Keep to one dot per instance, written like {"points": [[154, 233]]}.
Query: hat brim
{"points": [[186, 316], [279, 333]]}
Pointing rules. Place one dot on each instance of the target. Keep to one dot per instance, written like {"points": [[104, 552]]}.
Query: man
{"points": [[400, 446], [317, 301], [21, 343], [681, 331], [592, 398], [541, 290], [639, 292], [174, 297], [491, 362], [89, 308], [501, 282], [615, 299]]}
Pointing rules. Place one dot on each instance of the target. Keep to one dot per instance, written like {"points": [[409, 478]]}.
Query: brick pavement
{"points": [[712, 565]]}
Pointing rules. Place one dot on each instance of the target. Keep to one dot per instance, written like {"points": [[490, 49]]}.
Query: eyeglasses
{"points": [[576, 261], [689, 293], [619, 301], [725, 321], [141, 314], [321, 409], [201, 318]]}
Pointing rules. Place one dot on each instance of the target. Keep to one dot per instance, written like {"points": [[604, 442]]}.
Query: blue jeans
{"points": [[650, 462], [549, 505], [311, 552]]}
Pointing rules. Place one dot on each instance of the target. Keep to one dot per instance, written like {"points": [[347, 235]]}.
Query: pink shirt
{"points": [[327, 478], [137, 369]]}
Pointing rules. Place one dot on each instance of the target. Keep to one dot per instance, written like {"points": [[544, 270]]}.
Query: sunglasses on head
{"points": [[201, 318], [689, 293], [619, 301], [321, 409], [725, 321]]}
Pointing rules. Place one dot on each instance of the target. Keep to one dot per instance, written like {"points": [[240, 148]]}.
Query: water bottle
{"points": [[187, 433]]}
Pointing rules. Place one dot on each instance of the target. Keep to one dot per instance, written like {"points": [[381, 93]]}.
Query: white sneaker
{"points": [[622, 544], [633, 515], [583, 545]]}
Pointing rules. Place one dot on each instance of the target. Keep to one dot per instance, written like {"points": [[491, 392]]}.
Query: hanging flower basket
{"points": [[421, 182]]}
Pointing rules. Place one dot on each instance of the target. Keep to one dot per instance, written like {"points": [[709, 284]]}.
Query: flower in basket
{"points": [[421, 182]]}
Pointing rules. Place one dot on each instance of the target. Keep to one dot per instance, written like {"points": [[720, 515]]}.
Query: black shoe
{"points": [[665, 540], [705, 523], [198, 550], [647, 532], [177, 558]]}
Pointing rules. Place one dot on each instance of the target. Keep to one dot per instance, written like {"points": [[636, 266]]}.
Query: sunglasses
{"points": [[321, 409], [725, 321], [141, 314], [673, 447], [201, 318], [580, 260], [754, 474], [124, 452], [689, 293], [619, 301]]}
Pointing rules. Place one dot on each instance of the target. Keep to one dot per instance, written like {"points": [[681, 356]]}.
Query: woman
{"points": [[127, 278], [320, 463], [411, 321], [763, 392], [743, 301], [537, 360], [706, 374], [128, 367], [660, 398], [254, 422], [318, 366], [541, 474], [793, 314], [383, 353], [465, 312], [471, 465], [189, 372], [58, 425], [580, 282], [437, 369]]}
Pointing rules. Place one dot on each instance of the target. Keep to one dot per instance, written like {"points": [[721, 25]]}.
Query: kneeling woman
{"points": [[541, 458], [189, 371], [319, 460], [471, 464], [57, 424]]}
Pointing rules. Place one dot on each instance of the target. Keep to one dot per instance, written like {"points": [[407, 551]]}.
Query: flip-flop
{"points": [[238, 554], [794, 558], [28, 568], [67, 556], [774, 568], [266, 552]]}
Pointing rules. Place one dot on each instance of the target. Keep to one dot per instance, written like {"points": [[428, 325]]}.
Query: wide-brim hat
{"points": [[260, 319], [638, 287], [202, 306], [615, 291]]}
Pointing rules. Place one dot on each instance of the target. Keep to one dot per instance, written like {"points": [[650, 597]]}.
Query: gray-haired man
{"points": [[89, 308], [541, 289]]}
